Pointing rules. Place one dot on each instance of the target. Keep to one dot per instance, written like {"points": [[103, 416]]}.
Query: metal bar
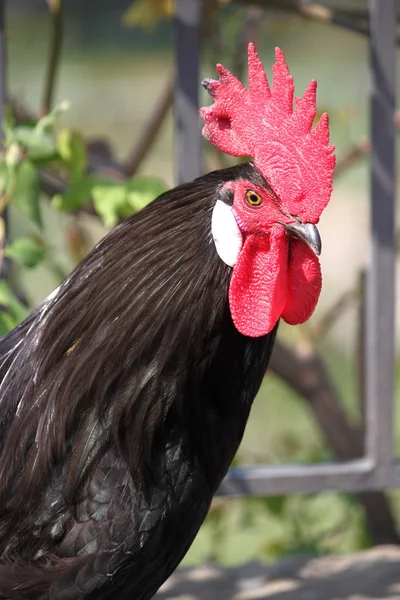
{"points": [[351, 476], [187, 123], [362, 325], [289, 479], [379, 355], [394, 474]]}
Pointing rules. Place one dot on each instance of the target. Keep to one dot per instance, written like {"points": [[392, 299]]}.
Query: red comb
{"points": [[260, 122]]}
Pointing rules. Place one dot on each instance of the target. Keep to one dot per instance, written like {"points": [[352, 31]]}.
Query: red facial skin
{"points": [[275, 275]]}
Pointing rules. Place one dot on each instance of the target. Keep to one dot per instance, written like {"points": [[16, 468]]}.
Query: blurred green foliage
{"points": [[44, 144]]}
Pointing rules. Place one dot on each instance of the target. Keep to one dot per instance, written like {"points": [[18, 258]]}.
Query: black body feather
{"points": [[123, 399]]}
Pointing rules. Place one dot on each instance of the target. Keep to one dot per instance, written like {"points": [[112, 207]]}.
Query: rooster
{"points": [[125, 394]]}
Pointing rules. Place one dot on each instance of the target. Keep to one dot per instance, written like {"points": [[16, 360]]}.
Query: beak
{"points": [[307, 232]]}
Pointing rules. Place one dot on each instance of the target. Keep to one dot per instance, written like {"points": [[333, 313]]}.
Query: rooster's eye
{"points": [[253, 198]]}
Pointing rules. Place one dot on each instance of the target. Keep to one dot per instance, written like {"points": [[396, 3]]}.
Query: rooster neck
{"points": [[218, 415]]}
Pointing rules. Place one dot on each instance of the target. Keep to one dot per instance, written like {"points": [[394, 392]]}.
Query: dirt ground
{"points": [[370, 575]]}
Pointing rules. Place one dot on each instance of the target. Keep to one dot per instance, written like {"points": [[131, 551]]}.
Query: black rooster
{"points": [[125, 394]]}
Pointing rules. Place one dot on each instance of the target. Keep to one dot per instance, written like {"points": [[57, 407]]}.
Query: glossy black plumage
{"points": [[123, 399]]}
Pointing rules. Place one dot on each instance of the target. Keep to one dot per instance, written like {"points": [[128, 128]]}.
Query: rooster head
{"points": [[265, 229]]}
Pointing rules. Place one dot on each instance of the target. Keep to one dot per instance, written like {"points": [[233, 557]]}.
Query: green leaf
{"points": [[7, 322], [48, 122], [28, 251], [72, 151], [16, 309], [110, 202], [142, 190], [39, 146], [77, 195], [275, 504], [27, 191], [9, 120], [36, 140]]}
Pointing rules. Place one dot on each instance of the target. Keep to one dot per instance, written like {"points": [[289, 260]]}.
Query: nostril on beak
{"points": [[307, 232]]}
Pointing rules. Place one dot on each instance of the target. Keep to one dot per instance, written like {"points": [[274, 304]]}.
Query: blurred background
{"points": [[76, 172]]}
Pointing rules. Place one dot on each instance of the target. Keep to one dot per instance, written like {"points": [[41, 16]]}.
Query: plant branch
{"points": [[150, 129], [358, 22], [52, 184], [359, 150], [361, 342], [326, 322], [248, 33], [56, 12], [352, 155], [76, 240], [305, 372], [356, 294], [313, 11], [323, 14]]}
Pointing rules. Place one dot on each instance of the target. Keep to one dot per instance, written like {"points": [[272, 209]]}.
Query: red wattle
{"points": [[304, 283], [257, 292]]}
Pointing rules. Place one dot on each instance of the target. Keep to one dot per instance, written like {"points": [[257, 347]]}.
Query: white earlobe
{"points": [[226, 234]]}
